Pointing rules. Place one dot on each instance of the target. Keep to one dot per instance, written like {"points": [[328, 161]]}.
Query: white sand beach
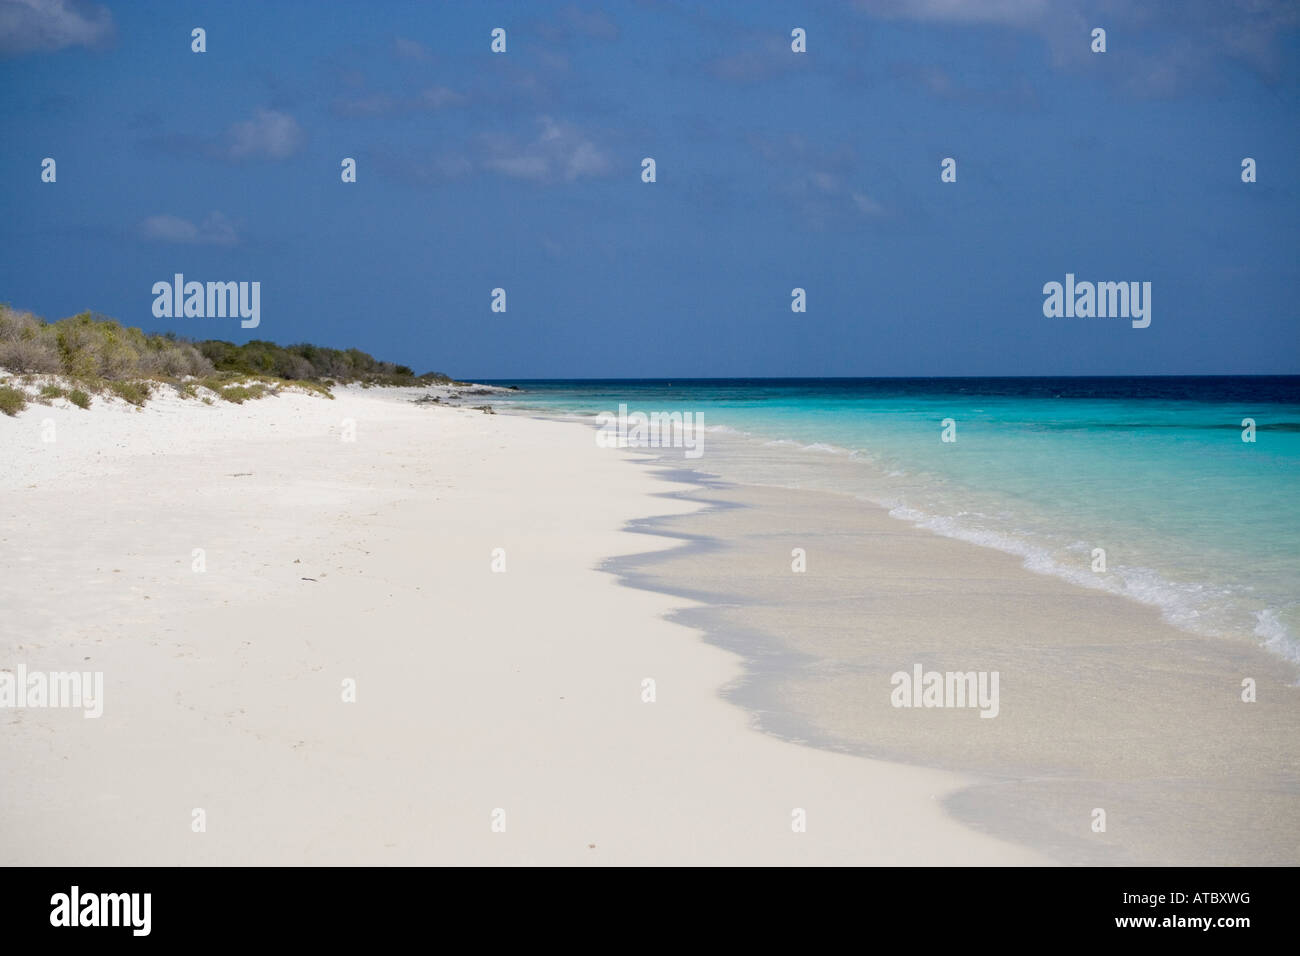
{"points": [[476, 691]]}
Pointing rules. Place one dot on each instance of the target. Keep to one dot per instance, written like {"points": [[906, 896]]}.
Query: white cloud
{"points": [[410, 49], [866, 205], [431, 98], [1011, 12], [824, 181], [559, 152], [436, 97], [31, 25], [270, 134], [574, 24], [590, 23], [215, 230], [1168, 47], [371, 104], [819, 183]]}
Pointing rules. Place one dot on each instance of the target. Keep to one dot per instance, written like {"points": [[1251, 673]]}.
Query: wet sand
{"points": [[1102, 704]]}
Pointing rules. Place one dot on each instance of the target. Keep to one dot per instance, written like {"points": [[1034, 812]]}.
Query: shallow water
{"points": [[1153, 471]]}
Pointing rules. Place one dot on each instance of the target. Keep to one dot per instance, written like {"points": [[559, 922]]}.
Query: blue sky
{"points": [[775, 170]]}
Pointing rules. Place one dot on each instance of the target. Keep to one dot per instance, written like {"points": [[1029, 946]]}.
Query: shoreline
{"points": [[1230, 796], [750, 458], [475, 691]]}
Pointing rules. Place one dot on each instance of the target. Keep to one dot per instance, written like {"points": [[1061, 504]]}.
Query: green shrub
{"points": [[318, 388], [12, 401], [93, 348], [79, 398], [310, 362], [52, 391], [241, 393], [137, 393], [36, 353], [216, 383]]}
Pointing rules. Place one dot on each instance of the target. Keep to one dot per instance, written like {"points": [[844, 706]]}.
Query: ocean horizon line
{"points": [[498, 380]]}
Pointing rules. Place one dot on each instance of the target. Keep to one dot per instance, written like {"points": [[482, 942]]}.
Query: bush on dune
{"points": [[105, 356], [93, 347], [12, 400], [27, 344], [241, 393], [311, 363], [137, 393]]}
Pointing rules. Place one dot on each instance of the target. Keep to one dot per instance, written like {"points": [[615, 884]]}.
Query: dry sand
{"points": [[475, 690]]}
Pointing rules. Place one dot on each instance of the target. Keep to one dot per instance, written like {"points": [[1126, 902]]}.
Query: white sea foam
{"points": [[823, 447], [1197, 608], [1269, 627], [1188, 606]]}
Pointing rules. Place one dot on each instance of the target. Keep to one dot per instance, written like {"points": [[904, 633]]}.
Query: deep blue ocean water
{"points": [[1154, 470]]}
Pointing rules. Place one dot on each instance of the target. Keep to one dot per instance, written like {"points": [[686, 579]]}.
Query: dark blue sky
{"points": [[775, 170]]}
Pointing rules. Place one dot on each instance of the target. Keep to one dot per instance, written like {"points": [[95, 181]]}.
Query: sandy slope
{"points": [[475, 690]]}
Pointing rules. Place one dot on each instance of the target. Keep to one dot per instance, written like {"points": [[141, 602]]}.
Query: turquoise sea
{"points": [[1153, 470]]}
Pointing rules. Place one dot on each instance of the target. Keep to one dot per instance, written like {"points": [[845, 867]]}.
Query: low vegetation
{"points": [[311, 363], [12, 400], [96, 355], [137, 393]]}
